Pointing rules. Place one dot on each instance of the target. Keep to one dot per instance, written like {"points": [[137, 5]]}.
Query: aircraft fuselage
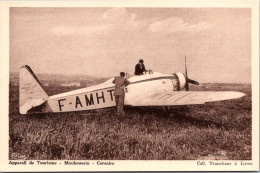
{"points": [[102, 96]]}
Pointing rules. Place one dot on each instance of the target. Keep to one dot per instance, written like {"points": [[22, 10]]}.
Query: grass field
{"points": [[220, 130]]}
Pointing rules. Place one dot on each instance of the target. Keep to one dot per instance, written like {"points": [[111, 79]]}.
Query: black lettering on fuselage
{"points": [[60, 105], [78, 102], [111, 95], [100, 97], [89, 101]]}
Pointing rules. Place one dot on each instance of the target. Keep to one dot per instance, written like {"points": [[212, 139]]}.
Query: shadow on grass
{"points": [[179, 115], [199, 122]]}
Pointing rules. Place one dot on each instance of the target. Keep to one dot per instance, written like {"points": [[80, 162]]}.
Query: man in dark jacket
{"points": [[119, 93], [140, 68]]}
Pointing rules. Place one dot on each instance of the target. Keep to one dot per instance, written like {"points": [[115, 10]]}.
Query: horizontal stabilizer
{"points": [[31, 104]]}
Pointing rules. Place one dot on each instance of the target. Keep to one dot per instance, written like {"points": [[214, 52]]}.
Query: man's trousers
{"points": [[120, 103]]}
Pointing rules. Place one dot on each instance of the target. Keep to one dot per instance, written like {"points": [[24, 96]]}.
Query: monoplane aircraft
{"points": [[150, 89]]}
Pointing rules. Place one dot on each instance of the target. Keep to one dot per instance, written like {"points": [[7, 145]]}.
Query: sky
{"points": [[106, 41]]}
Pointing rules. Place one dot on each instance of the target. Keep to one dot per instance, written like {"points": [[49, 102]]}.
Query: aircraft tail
{"points": [[31, 92]]}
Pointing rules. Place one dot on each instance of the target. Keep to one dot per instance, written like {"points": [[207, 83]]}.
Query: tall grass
{"points": [[220, 130]]}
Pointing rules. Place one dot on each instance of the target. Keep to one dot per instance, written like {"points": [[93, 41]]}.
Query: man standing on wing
{"points": [[120, 83]]}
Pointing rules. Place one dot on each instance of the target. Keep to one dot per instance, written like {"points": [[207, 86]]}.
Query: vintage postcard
{"points": [[129, 85]]}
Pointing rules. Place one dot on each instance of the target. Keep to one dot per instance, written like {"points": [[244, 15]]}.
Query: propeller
{"points": [[188, 80]]}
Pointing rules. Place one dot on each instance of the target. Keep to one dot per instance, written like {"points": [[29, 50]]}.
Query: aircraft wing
{"points": [[164, 98]]}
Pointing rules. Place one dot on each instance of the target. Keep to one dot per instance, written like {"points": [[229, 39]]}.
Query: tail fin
{"points": [[31, 92]]}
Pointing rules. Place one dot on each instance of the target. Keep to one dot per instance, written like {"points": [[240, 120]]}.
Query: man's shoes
{"points": [[121, 114]]}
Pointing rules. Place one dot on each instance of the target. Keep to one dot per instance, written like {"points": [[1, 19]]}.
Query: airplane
{"points": [[152, 89]]}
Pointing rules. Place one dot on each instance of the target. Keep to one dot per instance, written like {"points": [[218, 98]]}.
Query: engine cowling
{"points": [[179, 81]]}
